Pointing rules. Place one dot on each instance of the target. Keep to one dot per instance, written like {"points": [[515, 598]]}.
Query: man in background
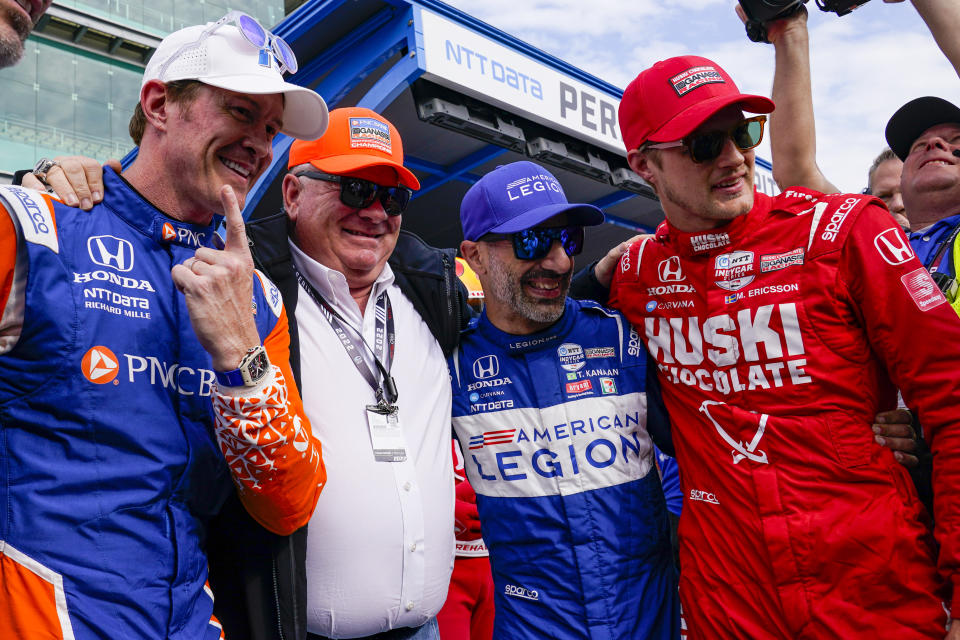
{"points": [[17, 19]]}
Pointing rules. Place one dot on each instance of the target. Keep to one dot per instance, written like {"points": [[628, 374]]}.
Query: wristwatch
{"points": [[253, 367]]}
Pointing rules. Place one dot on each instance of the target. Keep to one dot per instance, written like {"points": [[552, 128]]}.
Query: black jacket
{"points": [[259, 578]]}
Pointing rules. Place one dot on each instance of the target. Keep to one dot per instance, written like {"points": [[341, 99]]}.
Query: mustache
{"points": [[547, 273]]}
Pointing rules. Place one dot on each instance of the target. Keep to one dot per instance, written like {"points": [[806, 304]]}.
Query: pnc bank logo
{"points": [[100, 365], [168, 233]]}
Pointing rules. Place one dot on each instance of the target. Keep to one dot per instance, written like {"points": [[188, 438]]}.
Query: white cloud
{"points": [[865, 65]]}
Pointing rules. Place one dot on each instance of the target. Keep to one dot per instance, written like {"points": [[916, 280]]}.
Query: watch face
{"points": [[258, 365]]}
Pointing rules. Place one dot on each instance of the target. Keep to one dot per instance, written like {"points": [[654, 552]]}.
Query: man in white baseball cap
{"points": [[144, 367]]}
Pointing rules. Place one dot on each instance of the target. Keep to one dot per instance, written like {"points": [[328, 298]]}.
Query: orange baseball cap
{"points": [[356, 141]]}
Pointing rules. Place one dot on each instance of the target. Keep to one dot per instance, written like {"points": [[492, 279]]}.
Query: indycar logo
{"points": [[110, 251], [571, 356], [100, 365], [486, 367], [670, 271], [741, 451], [734, 270]]}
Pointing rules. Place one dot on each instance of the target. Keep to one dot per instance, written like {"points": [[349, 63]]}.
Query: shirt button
{"points": [[926, 238], [406, 486], [413, 546], [409, 605]]}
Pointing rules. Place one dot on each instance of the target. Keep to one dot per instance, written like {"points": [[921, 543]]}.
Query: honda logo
{"points": [[670, 271], [893, 247], [486, 367], [110, 251]]}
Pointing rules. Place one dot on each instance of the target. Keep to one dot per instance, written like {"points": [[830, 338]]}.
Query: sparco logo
{"points": [[110, 251], [37, 217], [836, 220], [703, 496], [112, 278], [486, 367], [520, 592], [670, 270], [634, 346]]}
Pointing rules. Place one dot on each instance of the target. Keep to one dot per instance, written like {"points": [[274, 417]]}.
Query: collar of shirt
{"points": [[332, 285], [925, 241]]}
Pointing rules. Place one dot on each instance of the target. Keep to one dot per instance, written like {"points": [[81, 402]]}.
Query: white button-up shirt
{"points": [[380, 543]]}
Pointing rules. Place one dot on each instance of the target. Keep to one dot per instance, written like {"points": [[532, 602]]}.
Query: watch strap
{"points": [[253, 367]]}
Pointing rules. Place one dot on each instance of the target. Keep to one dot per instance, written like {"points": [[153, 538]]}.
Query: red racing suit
{"points": [[778, 337]]}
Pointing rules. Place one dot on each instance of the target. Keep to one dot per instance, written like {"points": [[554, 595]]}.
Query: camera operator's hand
{"points": [[774, 29]]}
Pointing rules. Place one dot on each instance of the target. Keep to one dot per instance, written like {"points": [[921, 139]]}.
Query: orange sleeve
{"points": [[267, 440], [8, 256]]}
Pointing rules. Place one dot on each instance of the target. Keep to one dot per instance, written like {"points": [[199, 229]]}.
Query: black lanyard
{"points": [[384, 336], [942, 249]]}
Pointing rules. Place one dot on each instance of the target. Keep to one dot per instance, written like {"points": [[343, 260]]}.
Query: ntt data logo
{"points": [[100, 365]]}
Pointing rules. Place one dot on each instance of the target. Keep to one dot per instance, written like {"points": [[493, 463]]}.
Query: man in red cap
{"points": [[780, 327], [376, 310]]}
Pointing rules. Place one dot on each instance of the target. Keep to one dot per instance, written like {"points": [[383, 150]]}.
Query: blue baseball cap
{"points": [[518, 196]]}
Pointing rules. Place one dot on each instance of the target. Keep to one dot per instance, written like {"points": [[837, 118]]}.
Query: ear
{"points": [[292, 190], [473, 254], [153, 101], [641, 163]]}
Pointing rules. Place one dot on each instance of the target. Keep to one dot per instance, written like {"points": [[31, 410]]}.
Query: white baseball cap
{"points": [[219, 55]]}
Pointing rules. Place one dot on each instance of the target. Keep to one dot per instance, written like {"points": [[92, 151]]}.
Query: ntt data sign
{"points": [[472, 64]]}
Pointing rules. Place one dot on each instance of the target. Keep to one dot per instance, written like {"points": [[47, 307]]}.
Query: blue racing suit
{"points": [[553, 429], [116, 443]]}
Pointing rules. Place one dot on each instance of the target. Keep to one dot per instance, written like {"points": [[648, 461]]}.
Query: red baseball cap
{"points": [[358, 142], [675, 96]]}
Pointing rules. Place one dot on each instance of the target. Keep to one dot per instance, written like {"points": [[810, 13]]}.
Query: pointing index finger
{"points": [[236, 231]]}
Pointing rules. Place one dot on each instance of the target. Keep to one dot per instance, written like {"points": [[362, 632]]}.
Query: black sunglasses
{"points": [[358, 193], [704, 147], [534, 244]]}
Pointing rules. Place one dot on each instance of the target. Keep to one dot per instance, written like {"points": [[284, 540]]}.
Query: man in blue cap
{"points": [[549, 405]]}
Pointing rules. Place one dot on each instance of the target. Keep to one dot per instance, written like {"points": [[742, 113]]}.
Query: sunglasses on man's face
{"points": [[704, 147], [358, 193], [534, 244]]}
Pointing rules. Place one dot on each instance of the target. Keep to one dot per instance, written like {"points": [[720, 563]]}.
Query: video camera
{"points": [[762, 11]]}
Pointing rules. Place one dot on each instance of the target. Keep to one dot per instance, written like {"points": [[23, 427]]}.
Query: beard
{"points": [[11, 43], [507, 287]]}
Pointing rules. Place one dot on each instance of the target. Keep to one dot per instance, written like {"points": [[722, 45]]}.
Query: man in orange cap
{"points": [[376, 311]]}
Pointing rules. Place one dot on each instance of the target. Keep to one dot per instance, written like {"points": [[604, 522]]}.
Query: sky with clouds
{"points": [[865, 65]]}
